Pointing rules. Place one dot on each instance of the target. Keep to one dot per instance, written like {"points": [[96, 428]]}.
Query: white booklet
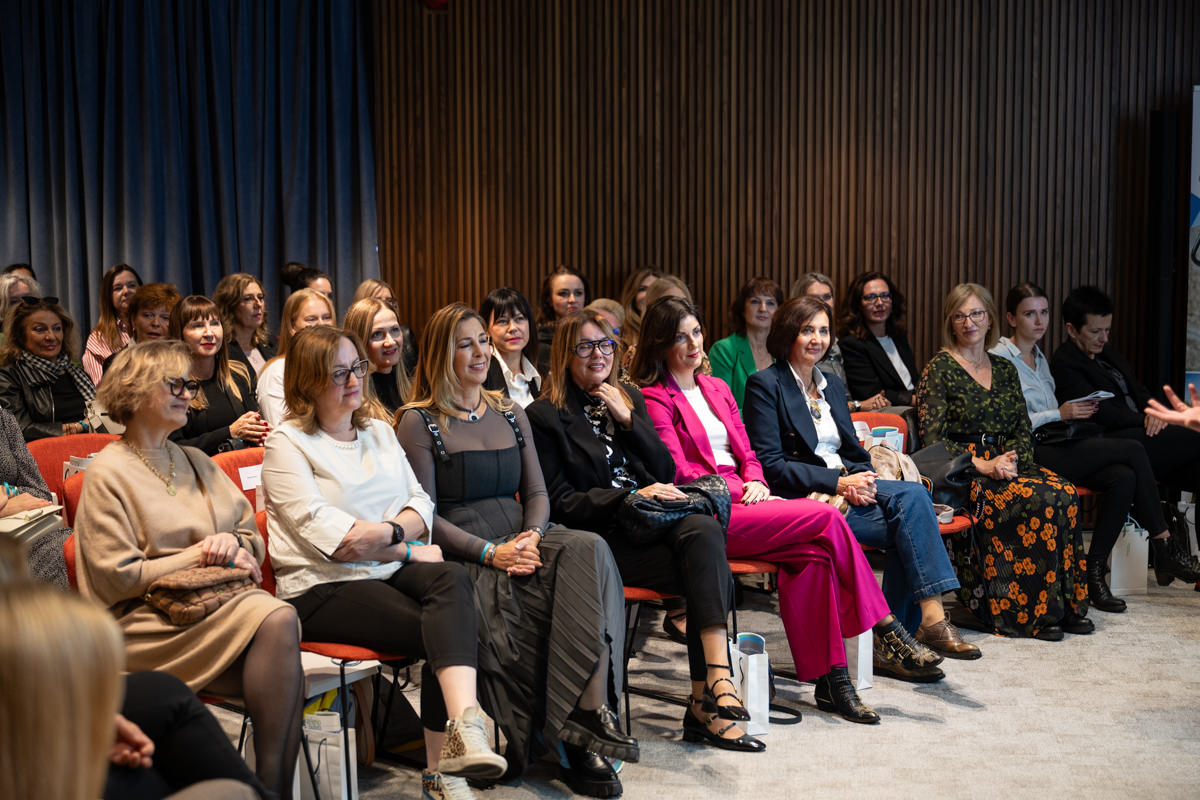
{"points": [[1097, 395]]}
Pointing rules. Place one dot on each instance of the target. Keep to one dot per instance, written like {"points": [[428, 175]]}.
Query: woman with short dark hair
{"points": [[514, 350]]}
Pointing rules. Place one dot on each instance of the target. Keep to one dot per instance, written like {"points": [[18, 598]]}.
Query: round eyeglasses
{"points": [[605, 346], [180, 385]]}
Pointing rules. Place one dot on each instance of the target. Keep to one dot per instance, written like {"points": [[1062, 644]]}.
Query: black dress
{"points": [[208, 428], [540, 636]]}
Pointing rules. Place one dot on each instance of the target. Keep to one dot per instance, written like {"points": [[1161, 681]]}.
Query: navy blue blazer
{"points": [[784, 437]]}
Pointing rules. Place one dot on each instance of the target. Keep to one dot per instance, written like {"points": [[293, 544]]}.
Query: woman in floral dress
{"points": [[1022, 570]]}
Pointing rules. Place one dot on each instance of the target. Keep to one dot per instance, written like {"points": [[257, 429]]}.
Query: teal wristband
{"points": [[408, 552], [483, 555]]}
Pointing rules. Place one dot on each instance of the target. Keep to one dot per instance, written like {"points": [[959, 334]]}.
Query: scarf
{"points": [[35, 370], [602, 426]]}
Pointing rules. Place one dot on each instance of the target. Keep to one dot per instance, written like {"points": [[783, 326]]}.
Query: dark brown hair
{"points": [[546, 314], [106, 326], [788, 321], [852, 322], [754, 287], [659, 325]]}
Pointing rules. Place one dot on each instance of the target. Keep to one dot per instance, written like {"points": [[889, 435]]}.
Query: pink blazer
{"points": [[686, 439]]}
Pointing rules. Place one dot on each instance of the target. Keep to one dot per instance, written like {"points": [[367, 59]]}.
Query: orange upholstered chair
{"points": [[231, 464], [51, 452]]}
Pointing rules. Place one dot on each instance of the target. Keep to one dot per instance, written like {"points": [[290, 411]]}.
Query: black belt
{"points": [[985, 439]]}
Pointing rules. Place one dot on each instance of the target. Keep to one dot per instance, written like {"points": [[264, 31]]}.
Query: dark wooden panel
{"points": [[936, 140]]}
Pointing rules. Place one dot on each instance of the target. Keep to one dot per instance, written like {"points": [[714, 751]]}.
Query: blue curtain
{"points": [[189, 139]]}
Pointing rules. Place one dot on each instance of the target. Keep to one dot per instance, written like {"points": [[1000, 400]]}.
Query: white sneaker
{"points": [[435, 786], [466, 752]]}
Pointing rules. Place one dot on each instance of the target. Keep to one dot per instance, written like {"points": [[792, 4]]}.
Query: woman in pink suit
{"points": [[827, 591]]}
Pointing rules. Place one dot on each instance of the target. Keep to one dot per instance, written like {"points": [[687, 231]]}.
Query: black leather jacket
{"points": [[32, 405]]}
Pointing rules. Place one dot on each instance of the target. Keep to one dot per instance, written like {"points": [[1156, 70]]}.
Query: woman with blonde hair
{"points": [[373, 321], [14, 286], [304, 308], [150, 508], [349, 524], [243, 307], [112, 330], [550, 599]]}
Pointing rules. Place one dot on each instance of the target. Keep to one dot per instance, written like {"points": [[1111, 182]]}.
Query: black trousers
{"points": [[424, 610], [690, 560], [1174, 455], [189, 745], [1120, 470]]}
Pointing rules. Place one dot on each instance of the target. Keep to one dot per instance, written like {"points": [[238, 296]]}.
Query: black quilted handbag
{"points": [[644, 520]]}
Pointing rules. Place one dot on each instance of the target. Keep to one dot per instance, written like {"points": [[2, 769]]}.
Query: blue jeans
{"points": [[903, 525]]}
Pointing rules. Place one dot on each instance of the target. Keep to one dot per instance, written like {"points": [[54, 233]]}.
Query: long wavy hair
{"points": [[108, 327], [360, 318], [659, 325], [228, 296], [17, 333], [852, 322]]}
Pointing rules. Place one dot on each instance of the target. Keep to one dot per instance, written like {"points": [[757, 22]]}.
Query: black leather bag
{"points": [[949, 476], [644, 520], [1061, 431]]}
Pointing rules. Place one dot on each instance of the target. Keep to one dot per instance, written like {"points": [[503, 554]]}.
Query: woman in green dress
{"points": [[1022, 570], [744, 352]]}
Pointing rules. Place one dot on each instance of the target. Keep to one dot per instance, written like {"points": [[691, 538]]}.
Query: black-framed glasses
{"points": [[179, 385], [342, 374], [873, 296], [977, 316], [30, 300], [605, 346]]}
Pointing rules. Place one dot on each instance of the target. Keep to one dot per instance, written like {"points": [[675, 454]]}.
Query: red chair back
{"points": [[268, 571], [876, 419], [69, 559], [69, 496], [231, 464], [51, 452]]}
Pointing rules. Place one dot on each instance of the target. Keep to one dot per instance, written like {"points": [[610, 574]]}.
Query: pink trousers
{"points": [[827, 591]]}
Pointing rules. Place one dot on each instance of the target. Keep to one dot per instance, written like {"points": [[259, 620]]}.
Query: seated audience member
{"points": [[297, 276], [550, 598], [112, 331], [612, 311], [304, 308], [14, 286], [348, 528], [1022, 571], [597, 446], [223, 414], [160, 738], [744, 352], [20, 269], [696, 418], [875, 349], [665, 286], [40, 382], [801, 431], [1087, 363], [377, 289], [820, 286], [150, 508], [243, 306], [633, 298], [1066, 442], [563, 290], [374, 322], [382, 290], [27, 491], [149, 314], [514, 348]]}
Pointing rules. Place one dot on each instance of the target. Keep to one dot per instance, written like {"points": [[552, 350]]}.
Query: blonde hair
{"points": [[291, 311], [136, 372], [609, 305], [360, 318], [308, 372], [370, 289], [228, 295], [958, 297], [435, 384], [562, 351], [60, 661]]}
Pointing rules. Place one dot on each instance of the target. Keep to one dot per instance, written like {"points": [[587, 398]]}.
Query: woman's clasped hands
{"points": [[223, 549], [859, 488], [520, 555]]}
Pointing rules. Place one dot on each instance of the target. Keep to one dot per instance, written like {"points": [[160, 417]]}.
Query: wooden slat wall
{"points": [[936, 140]]}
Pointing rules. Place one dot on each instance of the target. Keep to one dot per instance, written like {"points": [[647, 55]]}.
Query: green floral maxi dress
{"points": [[1022, 569]]}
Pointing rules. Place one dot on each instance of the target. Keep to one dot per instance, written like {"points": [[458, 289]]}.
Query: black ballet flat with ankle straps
{"points": [[708, 704]]}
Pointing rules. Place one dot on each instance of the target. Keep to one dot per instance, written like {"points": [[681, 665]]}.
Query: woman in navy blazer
{"points": [[800, 426], [827, 591]]}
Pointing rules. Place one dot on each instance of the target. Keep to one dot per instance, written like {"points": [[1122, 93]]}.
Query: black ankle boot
{"points": [[1171, 562], [1099, 595], [835, 692]]}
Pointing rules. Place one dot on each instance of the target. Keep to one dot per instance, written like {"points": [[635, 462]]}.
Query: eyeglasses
{"points": [[977, 316], [342, 374], [30, 300], [871, 298], [605, 346], [179, 385]]}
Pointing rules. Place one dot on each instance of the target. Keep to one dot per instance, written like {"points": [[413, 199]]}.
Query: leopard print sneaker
{"points": [[466, 752], [435, 786]]}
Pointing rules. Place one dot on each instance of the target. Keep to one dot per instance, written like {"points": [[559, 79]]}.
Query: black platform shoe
{"points": [[1170, 562], [588, 773], [599, 731], [835, 692], [694, 730], [1074, 623], [1099, 595]]}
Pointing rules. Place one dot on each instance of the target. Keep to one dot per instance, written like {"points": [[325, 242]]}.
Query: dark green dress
{"points": [[1022, 567]]}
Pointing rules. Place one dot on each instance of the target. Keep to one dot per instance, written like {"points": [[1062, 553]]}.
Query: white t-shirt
{"points": [[893, 355], [718, 436]]}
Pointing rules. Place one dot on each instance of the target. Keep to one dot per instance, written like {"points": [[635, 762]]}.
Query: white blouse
{"points": [[1037, 384], [889, 347], [828, 438], [518, 382], [269, 392], [317, 487], [718, 435]]}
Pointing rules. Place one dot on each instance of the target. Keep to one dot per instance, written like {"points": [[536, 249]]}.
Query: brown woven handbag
{"points": [[189, 595]]}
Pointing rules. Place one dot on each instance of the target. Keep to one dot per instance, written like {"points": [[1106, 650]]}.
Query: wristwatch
{"points": [[397, 531], [857, 406]]}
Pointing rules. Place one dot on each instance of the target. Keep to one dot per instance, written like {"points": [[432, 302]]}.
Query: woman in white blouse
{"points": [[1065, 442], [303, 309], [348, 523]]}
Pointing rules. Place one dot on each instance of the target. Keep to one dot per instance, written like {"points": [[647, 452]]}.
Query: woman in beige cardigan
{"points": [[149, 508]]}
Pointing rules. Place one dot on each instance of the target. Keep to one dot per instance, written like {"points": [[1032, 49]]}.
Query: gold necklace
{"points": [[814, 407], [149, 466]]}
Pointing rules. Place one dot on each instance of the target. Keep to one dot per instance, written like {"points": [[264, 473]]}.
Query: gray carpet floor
{"points": [[1115, 714]]}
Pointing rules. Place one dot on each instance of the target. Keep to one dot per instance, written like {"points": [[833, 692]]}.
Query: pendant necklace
{"points": [[169, 481], [814, 407], [470, 412]]}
